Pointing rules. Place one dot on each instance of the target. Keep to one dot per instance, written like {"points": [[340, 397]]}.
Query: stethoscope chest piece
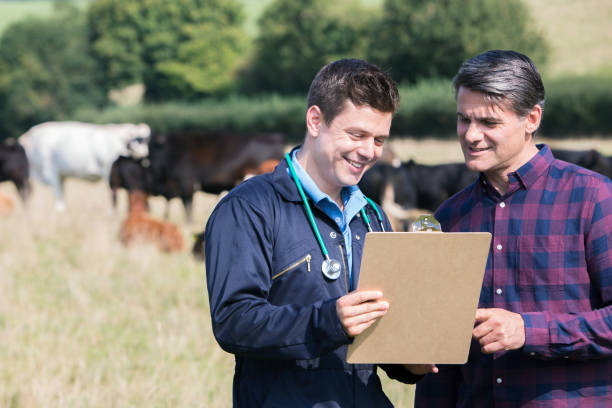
{"points": [[331, 268]]}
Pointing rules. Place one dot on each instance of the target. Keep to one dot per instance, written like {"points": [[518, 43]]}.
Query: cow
{"points": [[182, 163], [14, 167], [412, 189], [57, 150], [140, 227], [589, 159]]}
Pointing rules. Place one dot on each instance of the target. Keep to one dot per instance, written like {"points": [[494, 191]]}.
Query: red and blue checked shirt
{"points": [[550, 261]]}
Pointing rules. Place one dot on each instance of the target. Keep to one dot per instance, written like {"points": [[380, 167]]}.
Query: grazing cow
{"points": [[181, 164], [57, 150], [6, 204], [130, 174], [589, 159], [140, 227], [412, 189], [14, 167]]}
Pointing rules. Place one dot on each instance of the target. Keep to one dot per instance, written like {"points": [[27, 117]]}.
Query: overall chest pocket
{"points": [[541, 264], [295, 259]]}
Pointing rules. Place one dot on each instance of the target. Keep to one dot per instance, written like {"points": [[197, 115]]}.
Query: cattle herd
{"points": [[131, 157]]}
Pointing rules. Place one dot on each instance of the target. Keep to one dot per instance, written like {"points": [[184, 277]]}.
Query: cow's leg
{"points": [[57, 184], [188, 204]]}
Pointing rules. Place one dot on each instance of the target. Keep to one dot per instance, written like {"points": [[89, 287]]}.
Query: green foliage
{"points": [[238, 113], [431, 38], [297, 37], [574, 106], [186, 48], [45, 71], [426, 109], [578, 106]]}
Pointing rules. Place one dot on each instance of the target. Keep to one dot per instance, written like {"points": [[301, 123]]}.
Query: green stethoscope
{"points": [[330, 268]]}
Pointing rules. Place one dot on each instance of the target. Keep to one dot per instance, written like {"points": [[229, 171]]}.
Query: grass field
{"points": [[86, 322]]}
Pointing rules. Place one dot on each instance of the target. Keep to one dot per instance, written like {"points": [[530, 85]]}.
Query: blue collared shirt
{"points": [[352, 198]]}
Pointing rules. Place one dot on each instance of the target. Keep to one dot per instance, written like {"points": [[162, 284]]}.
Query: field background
{"points": [[86, 322]]}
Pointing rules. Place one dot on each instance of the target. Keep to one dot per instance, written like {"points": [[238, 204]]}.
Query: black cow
{"points": [[416, 185], [14, 167], [589, 159], [131, 174], [182, 163]]}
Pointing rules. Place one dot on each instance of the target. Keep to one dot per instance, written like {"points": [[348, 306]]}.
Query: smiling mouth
{"points": [[476, 149], [355, 164]]}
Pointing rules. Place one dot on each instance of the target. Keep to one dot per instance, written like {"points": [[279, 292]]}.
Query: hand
{"points": [[359, 310], [421, 369], [499, 329]]}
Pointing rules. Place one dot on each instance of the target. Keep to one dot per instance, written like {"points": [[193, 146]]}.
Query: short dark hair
{"points": [[358, 81], [503, 76]]}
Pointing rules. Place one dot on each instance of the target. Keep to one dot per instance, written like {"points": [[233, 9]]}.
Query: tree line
{"points": [[190, 50]]}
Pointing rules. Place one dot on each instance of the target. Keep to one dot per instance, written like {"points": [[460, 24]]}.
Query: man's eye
{"points": [[380, 140], [463, 119]]}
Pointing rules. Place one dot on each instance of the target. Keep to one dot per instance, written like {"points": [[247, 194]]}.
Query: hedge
{"points": [[576, 106]]}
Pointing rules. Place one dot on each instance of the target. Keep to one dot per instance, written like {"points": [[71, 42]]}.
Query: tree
{"points": [[431, 38], [178, 49], [297, 37], [45, 70]]}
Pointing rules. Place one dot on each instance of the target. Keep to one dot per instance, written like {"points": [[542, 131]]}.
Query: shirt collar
{"points": [[349, 194], [531, 171], [527, 174]]}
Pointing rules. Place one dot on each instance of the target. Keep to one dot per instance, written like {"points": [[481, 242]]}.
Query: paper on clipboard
{"points": [[432, 281]]}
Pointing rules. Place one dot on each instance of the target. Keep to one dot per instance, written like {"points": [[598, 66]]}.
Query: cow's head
{"points": [[138, 141]]}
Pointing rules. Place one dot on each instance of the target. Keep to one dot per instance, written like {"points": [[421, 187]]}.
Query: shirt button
{"points": [[359, 215], [498, 291], [499, 380], [357, 237], [337, 219], [499, 247], [332, 235], [502, 205], [532, 354]]}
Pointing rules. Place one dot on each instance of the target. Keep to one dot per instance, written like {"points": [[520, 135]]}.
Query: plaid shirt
{"points": [[550, 261]]}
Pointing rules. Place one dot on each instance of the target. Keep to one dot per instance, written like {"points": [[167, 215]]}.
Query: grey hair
{"points": [[506, 78]]}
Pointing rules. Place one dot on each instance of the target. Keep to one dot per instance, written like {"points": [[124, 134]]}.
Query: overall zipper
{"points": [[307, 259]]}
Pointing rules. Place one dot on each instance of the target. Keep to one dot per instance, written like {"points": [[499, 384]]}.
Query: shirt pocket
{"points": [[541, 264]]}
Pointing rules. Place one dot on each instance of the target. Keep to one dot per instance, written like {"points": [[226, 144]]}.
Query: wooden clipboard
{"points": [[432, 281]]}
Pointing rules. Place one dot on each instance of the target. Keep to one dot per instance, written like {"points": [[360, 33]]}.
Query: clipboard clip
{"points": [[426, 223]]}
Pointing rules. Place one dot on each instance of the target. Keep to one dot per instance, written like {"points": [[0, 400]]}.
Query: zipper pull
{"points": [[308, 261]]}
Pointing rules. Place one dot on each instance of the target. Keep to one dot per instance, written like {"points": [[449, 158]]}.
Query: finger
{"points": [[361, 296], [491, 348], [481, 330], [483, 314], [367, 307], [363, 318], [359, 328]]}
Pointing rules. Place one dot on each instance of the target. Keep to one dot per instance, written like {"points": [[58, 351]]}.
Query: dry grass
{"points": [[87, 322]]}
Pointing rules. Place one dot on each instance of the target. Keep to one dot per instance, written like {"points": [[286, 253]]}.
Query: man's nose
{"points": [[472, 132], [367, 148]]}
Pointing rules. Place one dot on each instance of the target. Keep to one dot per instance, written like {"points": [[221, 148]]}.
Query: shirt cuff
{"points": [[537, 334]]}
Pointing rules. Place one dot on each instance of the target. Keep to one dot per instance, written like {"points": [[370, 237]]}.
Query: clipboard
{"points": [[432, 281]]}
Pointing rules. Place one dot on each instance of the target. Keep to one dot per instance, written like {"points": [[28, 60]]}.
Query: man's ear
{"points": [[533, 119], [314, 120]]}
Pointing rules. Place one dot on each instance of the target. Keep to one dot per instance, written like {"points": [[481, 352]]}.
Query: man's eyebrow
{"points": [[488, 119], [352, 129]]}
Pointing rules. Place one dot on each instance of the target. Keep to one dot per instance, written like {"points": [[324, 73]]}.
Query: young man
{"points": [[543, 333], [283, 252]]}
